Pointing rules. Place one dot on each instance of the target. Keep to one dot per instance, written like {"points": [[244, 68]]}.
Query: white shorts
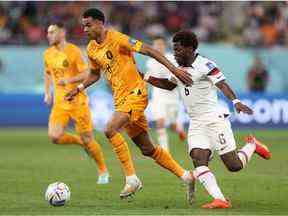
{"points": [[165, 110], [211, 134]]}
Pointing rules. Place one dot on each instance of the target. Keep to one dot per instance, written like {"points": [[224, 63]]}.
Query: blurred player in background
{"points": [[112, 52], [210, 127], [66, 68], [164, 104]]}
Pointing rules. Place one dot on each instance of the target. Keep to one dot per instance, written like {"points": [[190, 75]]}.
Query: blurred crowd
{"points": [[260, 24]]}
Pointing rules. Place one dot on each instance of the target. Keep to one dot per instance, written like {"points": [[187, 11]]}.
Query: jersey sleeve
{"points": [[130, 43], [80, 62], [46, 67], [213, 72]]}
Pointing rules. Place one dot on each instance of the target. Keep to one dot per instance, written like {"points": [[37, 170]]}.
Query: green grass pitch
{"points": [[28, 163]]}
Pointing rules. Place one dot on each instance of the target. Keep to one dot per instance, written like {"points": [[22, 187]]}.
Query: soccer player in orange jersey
{"points": [[112, 52], [65, 68]]}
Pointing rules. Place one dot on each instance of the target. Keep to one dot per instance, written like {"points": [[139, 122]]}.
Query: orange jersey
{"points": [[65, 64], [115, 57]]}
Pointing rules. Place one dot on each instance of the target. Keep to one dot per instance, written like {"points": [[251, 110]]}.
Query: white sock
{"points": [[187, 176], [208, 180], [246, 152], [163, 138], [131, 178]]}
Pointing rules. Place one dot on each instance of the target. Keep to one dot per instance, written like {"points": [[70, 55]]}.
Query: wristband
{"points": [[146, 76], [235, 101], [81, 87]]}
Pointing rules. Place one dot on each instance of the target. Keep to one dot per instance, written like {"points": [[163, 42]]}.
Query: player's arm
{"points": [[48, 95], [162, 83], [81, 66], [92, 77], [76, 79], [229, 93], [182, 75]]}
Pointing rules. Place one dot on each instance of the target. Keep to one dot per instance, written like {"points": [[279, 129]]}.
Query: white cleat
{"points": [[130, 188], [103, 178]]}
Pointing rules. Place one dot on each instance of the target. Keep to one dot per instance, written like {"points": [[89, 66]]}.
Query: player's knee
{"points": [[148, 151], [199, 159], [86, 139], [109, 131], [234, 167]]}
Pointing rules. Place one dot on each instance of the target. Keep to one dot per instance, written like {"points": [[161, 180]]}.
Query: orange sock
{"points": [[121, 149], [96, 152], [70, 139], [164, 159]]}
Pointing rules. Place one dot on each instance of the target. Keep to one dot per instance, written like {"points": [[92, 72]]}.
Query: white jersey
{"points": [[158, 70], [200, 99]]}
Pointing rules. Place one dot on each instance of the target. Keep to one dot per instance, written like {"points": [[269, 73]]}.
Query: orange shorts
{"points": [[135, 106], [81, 116]]}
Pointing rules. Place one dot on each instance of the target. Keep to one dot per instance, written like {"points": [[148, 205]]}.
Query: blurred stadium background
{"points": [[248, 40], [231, 33]]}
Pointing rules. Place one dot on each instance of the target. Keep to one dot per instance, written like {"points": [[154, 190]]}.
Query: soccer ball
{"points": [[57, 194]]}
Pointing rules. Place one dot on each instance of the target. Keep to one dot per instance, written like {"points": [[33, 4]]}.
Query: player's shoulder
{"points": [[91, 47], [204, 63], [113, 32], [73, 47], [48, 51]]}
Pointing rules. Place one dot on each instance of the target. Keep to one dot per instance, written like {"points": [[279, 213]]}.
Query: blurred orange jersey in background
{"points": [[64, 64]]}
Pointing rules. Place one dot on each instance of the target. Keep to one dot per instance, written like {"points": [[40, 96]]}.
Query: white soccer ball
{"points": [[57, 194]]}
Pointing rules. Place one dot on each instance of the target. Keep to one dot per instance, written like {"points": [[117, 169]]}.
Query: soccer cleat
{"points": [[217, 203], [191, 191], [261, 149], [182, 135], [103, 178], [131, 188]]}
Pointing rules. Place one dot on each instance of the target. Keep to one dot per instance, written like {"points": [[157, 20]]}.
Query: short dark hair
{"points": [[59, 25], [95, 14], [159, 37], [186, 38]]}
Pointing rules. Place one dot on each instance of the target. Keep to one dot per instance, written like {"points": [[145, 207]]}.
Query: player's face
{"points": [[160, 45], [183, 55], [93, 28], [54, 35]]}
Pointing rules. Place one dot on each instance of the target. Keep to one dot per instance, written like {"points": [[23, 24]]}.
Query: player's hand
{"points": [[48, 99], [70, 95], [243, 108], [63, 82], [183, 76]]}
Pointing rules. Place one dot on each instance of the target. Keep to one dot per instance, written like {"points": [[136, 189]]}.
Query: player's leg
{"points": [[179, 129], [160, 155], [84, 127], [176, 126], [162, 133], [200, 151], [96, 153], [159, 114], [120, 146], [235, 161], [164, 159], [56, 129], [206, 177]]}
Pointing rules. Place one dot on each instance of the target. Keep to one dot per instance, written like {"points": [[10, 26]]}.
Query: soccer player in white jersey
{"points": [[210, 128], [164, 104]]}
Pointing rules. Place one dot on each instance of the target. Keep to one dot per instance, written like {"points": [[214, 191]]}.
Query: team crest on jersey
{"points": [[210, 65], [132, 41], [65, 63]]}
